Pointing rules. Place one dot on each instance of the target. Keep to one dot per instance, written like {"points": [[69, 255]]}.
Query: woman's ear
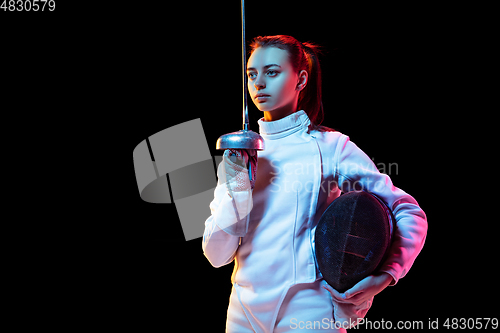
{"points": [[302, 80]]}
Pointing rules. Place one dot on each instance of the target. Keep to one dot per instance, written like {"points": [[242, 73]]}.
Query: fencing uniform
{"points": [[276, 282]]}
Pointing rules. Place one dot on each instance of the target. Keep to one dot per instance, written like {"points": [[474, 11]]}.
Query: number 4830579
{"points": [[28, 5]]}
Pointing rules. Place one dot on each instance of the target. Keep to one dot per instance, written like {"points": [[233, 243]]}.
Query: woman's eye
{"points": [[272, 73], [251, 76]]}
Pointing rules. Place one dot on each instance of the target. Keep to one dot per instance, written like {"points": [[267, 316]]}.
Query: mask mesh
{"points": [[352, 238]]}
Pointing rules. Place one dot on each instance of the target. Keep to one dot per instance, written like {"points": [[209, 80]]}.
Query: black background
{"points": [[96, 81]]}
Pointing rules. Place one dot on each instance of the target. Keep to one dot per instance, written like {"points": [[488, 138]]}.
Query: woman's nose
{"points": [[259, 83]]}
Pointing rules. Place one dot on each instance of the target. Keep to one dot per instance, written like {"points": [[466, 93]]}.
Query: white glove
{"points": [[238, 177], [233, 173]]}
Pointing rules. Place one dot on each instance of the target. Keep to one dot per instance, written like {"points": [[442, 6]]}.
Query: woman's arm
{"points": [[219, 245], [230, 208], [356, 171]]}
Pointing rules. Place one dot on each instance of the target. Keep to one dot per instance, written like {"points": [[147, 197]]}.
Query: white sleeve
{"points": [[227, 223], [355, 170]]}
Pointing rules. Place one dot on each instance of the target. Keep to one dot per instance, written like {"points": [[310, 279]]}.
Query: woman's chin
{"points": [[263, 108]]}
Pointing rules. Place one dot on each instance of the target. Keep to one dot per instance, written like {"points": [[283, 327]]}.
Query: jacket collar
{"points": [[284, 126]]}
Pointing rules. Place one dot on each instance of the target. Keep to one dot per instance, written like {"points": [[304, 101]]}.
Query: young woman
{"points": [[266, 220]]}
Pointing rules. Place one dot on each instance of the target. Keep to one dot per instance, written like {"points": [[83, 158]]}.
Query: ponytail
{"points": [[310, 98], [303, 56]]}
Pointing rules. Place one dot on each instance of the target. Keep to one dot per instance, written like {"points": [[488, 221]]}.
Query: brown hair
{"points": [[303, 56]]}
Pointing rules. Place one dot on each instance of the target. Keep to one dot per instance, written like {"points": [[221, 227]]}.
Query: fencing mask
{"points": [[353, 237]]}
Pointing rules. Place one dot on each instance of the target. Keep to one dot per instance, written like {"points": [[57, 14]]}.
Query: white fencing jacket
{"points": [[299, 174]]}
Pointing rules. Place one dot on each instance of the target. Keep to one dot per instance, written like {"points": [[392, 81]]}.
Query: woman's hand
{"points": [[363, 291], [241, 168]]}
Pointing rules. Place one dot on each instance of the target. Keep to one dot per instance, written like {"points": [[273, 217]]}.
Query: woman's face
{"points": [[272, 82]]}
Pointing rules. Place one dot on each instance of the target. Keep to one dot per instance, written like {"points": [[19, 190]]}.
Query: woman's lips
{"points": [[261, 98]]}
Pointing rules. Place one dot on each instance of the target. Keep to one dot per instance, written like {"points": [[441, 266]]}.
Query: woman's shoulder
{"points": [[331, 143], [328, 135]]}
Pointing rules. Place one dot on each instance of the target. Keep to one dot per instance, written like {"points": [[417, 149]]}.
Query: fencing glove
{"points": [[234, 173]]}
